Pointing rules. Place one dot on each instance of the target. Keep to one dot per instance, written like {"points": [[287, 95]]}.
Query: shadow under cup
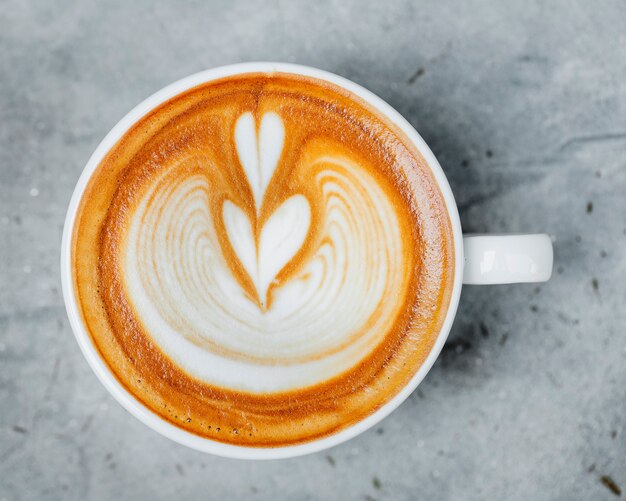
{"points": [[252, 411]]}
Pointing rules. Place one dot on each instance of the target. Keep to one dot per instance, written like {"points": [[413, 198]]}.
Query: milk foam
{"points": [[322, 319]]}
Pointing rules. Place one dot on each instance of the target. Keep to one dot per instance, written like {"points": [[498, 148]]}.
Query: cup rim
{"points": [[105, 375]]}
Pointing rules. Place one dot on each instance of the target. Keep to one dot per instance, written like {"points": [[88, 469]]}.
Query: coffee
{"points": [[263, 260]]}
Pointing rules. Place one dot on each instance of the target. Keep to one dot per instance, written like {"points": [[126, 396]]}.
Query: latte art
{"points": [[263, 260], [288, 330]]}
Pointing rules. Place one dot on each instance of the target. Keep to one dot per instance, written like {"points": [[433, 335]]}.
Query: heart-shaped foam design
{"points": [[259, 153], [283, 234], [280, 239]]}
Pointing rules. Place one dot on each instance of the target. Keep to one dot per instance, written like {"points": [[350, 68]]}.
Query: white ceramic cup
{"points": [[479, 259]]}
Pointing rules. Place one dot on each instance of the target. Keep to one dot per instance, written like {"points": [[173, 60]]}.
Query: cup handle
{"points": [[507, 259]]}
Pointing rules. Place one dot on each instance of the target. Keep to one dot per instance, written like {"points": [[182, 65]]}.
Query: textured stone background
{"points": [[523, 102]]}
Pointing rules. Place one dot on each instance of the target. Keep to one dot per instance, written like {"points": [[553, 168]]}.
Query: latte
{"points": [[263, 260]]}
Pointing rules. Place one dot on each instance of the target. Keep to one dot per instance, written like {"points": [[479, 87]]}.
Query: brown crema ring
{"points": [[198, 124]]}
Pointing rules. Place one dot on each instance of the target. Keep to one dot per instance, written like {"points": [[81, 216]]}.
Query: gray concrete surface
{"points": [[523, 102]]}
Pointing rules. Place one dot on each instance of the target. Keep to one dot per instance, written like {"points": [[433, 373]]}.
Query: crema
{"points": [[263, 260]]}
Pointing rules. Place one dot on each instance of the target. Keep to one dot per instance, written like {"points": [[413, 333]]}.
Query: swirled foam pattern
{"points": [[263, 260]]}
